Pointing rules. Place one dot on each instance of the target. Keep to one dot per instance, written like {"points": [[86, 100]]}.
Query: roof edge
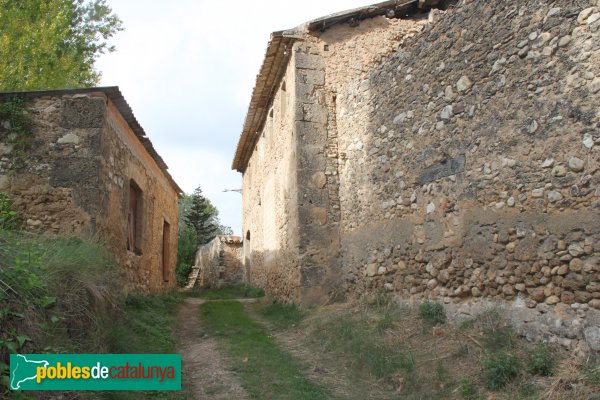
{"points": [[114, 94], [274, 63], [271, 72]]}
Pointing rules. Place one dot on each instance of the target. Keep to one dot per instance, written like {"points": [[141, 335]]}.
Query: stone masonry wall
{"points": [[468, 159], [75, 181], [124, 159], [270, 216], [219, 263], [327, 68], [57, 189]]}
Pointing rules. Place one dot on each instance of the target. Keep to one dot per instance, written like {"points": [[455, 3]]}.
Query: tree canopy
{"points": [[53, 44]]}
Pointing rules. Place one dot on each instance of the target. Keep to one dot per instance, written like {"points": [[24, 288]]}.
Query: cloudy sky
{"points": [[187, 69]]}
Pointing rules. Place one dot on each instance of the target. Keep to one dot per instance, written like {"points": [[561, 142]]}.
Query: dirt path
{"points": [[206, 373], [323, 368]]}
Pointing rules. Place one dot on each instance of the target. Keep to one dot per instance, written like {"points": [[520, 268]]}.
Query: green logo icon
{"points": [[95, 372]]}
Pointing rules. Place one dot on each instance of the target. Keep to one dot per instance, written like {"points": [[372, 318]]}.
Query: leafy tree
{"points": [[52, 44]]}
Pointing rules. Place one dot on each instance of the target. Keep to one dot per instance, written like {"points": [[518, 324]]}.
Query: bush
{"points": [[432, 313], [500, 369], [540, 361]]}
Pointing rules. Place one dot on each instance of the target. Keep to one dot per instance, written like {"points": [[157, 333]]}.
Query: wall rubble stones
{"points": [[452, 156], [75, 181], [218, 263]]}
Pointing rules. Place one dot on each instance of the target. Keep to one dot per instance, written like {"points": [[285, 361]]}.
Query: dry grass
{"points": [[437, 360]]}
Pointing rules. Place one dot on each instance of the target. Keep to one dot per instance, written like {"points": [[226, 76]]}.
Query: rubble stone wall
{"points": [[75, 177], [220, 262], [468, 159], [270, 215]]}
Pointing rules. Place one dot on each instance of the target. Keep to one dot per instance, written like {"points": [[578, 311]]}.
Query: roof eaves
{"points": [[115, 95], [272, 70]]}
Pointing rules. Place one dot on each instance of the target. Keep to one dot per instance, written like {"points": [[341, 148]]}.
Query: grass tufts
{"points": [[540, 360], [500, 368], [432, 313], [468, 390], [352, 335]]}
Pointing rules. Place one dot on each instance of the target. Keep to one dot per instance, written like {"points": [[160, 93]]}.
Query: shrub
{"points": [[540, 361], [432, 313], [500, 369]]}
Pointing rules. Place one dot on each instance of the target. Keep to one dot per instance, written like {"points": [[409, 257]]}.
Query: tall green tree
{"points": [[53, 44], [203, 216], [198, 224]]}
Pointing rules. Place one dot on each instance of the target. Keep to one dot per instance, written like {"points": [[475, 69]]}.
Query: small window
{"points": [[134, 219], [247, 235], [166, 248]]}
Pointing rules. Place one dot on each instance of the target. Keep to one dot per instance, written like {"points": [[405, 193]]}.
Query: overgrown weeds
{"points": [[540, 360], [56, 294], [500, 368], [591, 371], [144, 325], [353, 335], [432, 313]]}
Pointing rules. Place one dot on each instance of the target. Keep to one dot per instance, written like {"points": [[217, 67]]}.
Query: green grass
{"points": [[282, 315], [228, 293], [468, 390], [145, 327], [56, 295], [266, 371]]}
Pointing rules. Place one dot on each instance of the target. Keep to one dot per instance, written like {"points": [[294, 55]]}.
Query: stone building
{"points": [[218, 263], [90, 170], [449, 153]]}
